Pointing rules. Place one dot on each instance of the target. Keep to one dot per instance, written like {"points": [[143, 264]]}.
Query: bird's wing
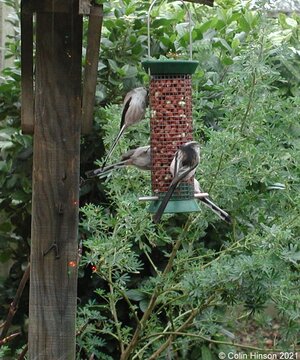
{"points": [[175, 165], [128, 96], [183, 172], [142, 158], [126, 105], [128, 154]]}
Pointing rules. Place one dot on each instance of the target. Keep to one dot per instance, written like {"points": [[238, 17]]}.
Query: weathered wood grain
{"points": [[82, 7], [27, 97], [53, 279], [91, 67]]}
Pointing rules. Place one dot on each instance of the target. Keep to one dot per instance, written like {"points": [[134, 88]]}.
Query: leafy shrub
{"points": [[189, 282], [180, 288]]}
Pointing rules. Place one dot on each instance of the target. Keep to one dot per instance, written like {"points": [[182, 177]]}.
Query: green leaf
{"points": [[3, 166], [130, 71], [113, 65], [5, 145], [101, 66], [20, 195], [206, 353], [143, 304], [223, 43], [166, 43], [161, 23], [5, 227], [135, 294], [226, 60], [291, 22], [211, 24], [244, 24], [235, 43], [282, 19]]}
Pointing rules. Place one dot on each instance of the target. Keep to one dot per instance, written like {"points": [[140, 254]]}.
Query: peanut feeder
{"points": [[171, 124]]}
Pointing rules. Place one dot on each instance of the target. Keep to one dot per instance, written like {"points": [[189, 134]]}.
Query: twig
{"points": [[221, 253], [172, 334], [134, 341], [114, 313], [149, 342], [123, 294], [157, 311], [231, 343], [232, 247], [14, 305], [249, 105], [9, 338], [152, 263], [82, 328], [23, 353], [253, 84], [176, 247], [172, 257], [193, 313], [217, 172]]}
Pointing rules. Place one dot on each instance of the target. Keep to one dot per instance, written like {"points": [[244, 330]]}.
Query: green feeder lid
{"points": [[158, 67], [176, 206]]}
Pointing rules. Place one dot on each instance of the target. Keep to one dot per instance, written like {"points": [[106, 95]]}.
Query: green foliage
{"points": [[246, 116], [4, 350], [190, 282], [15, 182], [124, 43]]}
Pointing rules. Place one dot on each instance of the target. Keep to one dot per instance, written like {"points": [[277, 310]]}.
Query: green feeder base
{"points": [[176, 206]]}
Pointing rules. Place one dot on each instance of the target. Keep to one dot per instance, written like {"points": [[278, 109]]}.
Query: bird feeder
{"points": [[171, 124]]}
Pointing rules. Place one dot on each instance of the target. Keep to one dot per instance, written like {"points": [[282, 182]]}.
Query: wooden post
{"points": [[91, 67], [53, 276], [27, 113]]}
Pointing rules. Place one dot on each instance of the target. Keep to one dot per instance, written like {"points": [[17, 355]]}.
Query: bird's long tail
{"points": [[115, 142], [218, 211], [169, 193], [103, 172], [164, 203]]}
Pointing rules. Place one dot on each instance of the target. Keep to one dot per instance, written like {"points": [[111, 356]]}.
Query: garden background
{"points": [[193, 285]]}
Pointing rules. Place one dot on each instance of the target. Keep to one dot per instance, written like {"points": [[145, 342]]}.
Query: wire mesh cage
{"points": [[171, 126]]}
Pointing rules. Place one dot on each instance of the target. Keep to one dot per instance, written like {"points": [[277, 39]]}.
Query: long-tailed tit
{"points": [[183, 167], [206, 201], [134, 109], [139, 157]]}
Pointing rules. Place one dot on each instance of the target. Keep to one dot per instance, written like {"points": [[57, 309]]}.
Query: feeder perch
{"points": [[171, 123]]}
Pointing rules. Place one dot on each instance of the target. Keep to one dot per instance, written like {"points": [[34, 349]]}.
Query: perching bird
{"points": [[183, 167], [134, 109], [139, 157], [206, 201]]}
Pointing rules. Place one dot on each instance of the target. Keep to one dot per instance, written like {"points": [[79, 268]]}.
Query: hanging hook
{"points": [[190, 27]]}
